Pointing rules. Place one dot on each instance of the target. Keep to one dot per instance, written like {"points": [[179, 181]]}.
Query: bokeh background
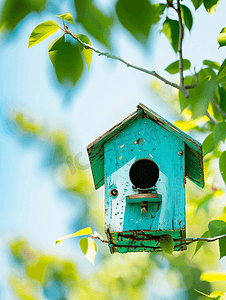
{"points": [[46, 184]]}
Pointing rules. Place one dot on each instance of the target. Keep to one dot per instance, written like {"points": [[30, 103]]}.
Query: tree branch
{"points": [[152, 73], [193, 85], [97, 236], [181, 33], [135, 238], [192, 240], [218, 108], [212, 119], [169, 4]]}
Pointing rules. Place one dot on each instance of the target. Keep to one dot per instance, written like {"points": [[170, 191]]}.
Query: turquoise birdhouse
{"points": [[143, 163]]}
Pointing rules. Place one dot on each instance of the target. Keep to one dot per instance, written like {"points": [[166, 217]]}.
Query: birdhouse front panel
{"points": [[143, 147]]}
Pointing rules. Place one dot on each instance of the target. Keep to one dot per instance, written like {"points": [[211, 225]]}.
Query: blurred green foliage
{"points": [[67, 169], [126, 277], [94, 21], [14, 11], [136, 17]]}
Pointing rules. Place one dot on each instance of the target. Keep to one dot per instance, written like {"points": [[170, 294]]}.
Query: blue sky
{"points": [[30, 203]]}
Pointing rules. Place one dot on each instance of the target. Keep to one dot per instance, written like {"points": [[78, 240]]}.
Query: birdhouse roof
{"points": [[193, 149]]}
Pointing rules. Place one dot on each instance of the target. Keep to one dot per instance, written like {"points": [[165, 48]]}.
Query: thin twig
{"points": [[212, 119], [171, 5], [204, 239], [152, 73], [62, 29], [218, 108], [64, 25], [180, 44], [192, 86], [97, 236]]}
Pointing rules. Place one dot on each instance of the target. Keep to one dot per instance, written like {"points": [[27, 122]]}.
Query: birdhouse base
{"points": [[143, 240]]}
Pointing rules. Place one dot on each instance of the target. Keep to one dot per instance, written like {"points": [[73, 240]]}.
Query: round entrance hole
{"points": [[144, 173]]}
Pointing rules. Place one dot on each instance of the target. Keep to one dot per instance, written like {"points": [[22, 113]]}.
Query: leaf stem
{"points": [[108, 55], [64, 25]]}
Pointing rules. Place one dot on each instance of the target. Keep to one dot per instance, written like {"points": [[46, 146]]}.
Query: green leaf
{"points": [[206, 73], [221, 77], [219, 132], [222, 165], [42, 31], [201, 96], [202, 293], [137, 17], [222, 243], [84, 231], [14, 11], [213, 276], [197, 3], [86, 53], [211, 64], [184, 102], [204, 202], [208, 144], [187, 16], [174, 67], [215, 295], [166, 242], [221, 38], [67, 17], [171, 30], [158, 10], [215, 227], [222, 94], [89, 248], [210, 5], [67, 61], [93, 20], [201, 243]]}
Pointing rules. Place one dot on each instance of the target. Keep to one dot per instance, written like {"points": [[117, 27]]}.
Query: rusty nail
{"points": [[180, 153], [144, 207]]}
